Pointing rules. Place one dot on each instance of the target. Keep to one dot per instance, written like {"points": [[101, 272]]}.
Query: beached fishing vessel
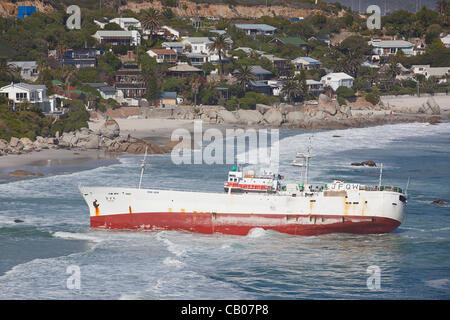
{"points": [[252, 201]]}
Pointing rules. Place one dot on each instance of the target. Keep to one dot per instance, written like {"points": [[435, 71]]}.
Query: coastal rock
{"points": [[431, 106], [92, 142], [3, 144], [439, 202], [368, 163], [273, 117], [24, 173], [26, 141], [324, 99], [262, 108], [225, 116], [249, 117], [110, 129], [14, 142], [295, 118]]}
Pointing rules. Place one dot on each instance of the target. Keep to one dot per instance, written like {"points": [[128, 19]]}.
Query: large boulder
{"points": [[92, 142], [26, 141], [249, 116], [225, 116], [295, 117], [110, 129], [262, 108], [273, 117], [3, 144], [14, 142], [431, 106], [324, 99]]}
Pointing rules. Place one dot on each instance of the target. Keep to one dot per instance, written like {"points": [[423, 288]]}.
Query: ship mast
{"points": [[305, 164], [143, 167]]}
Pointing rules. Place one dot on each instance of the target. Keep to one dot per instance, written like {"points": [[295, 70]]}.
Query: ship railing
{"points": [[381, 188]]}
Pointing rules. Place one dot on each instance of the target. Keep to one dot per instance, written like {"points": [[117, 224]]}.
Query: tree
{"points": [[244, 75], [9, 70], [442, 6], [220, 44], [291, 90], [196, 83], [151, 21]]}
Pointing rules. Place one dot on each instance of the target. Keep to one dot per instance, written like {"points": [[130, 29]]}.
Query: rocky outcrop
{"points": [[110, 129], [273, 117], [368, 163], [24, 173]]}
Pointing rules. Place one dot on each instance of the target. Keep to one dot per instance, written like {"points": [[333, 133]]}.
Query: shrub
{"points": [[372, 98]]}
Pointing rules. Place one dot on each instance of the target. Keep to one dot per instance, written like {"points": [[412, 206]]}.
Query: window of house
{"points": [[21, 95]]}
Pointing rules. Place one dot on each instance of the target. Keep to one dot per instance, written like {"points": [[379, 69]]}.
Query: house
{"points": [[296, 19], [427, 71], [446, 41], [197, 59], [249, 51], [260, 87], [127, 38], [256, 29], [183, 70], [200, 45], [178, 47], [282, 65], [24, 92], [306, 63], [106, 91], [80, 57], [276, 87], [299, 42], [168, 99], [163, 55], [336, 80], [126, 23], [129, 83], [314, 87], [260, 73], [28, 69], [383, 48]]}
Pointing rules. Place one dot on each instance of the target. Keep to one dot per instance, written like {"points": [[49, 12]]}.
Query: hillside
{"points": [[251, 9]]}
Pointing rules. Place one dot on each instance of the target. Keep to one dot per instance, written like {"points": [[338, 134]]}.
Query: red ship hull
{"points": [[241, 224]]}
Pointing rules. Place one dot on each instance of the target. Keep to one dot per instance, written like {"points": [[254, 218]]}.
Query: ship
{"points": [[252, 200]]}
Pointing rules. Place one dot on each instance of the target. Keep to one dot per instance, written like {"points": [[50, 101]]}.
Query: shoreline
{"points": [[159, 131]]}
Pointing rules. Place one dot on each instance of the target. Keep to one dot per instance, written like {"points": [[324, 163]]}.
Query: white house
{"points": [[306, 63], [446, 41], [125, 23], [427, 71], [28, 69], [385, 48], [24, 92], [200, 45], [256, 29], [118, 37], [336, 80], [178, 47]]}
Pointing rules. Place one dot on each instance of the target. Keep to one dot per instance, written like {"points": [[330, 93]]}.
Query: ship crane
{"points": [[304, 165]]}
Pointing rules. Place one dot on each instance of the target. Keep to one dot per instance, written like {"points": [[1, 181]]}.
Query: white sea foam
{"points": [[172, 262], [256, 233], [442, 284], [77, 236]]}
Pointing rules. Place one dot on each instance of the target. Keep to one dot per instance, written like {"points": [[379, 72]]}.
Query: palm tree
{"points": [[196, 83], [151, 21], [220, 45], [291, 90], [68, 73], [442, 6], [244, 75], [11, 70]]}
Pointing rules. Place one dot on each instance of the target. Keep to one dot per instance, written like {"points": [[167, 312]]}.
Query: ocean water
{"points": [[414, 260]]}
